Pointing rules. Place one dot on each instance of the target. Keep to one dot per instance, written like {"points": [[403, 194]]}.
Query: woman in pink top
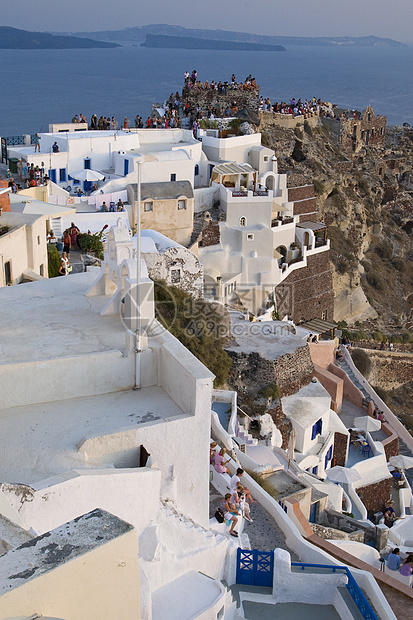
{"points": [[219, 462]]}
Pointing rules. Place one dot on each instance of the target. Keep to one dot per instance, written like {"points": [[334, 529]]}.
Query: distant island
{"points": [[138, 34], [15, 39], [193, 43]]}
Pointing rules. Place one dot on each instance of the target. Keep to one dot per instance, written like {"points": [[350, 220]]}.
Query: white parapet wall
{"points": [[48, 504]]}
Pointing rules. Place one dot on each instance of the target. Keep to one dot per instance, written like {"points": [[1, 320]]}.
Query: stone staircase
{"points": [[346, 367], [246, 436]]}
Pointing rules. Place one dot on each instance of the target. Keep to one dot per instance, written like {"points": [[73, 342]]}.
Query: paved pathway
{"points": [[264, 533]]}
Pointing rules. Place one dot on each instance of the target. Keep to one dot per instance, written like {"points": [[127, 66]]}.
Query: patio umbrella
{"points": [[401, 461], [342, 474], [367, 423], [87, 175]]}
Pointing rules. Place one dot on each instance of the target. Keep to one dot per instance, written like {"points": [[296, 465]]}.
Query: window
{"points": [[7, 273], [242, 221], [62, 175], [362, 135], [315, 470], [87, 163], [175, 276], [381, 131], [369, 117], [372, 133], [226, 291], [265, 157], [148, 206], [317, 428], [38, 239], [329, 456], [196, 170], [41, 269], [324, 315], [173, 176], [380, 171], [181, 205], [250, 237]]}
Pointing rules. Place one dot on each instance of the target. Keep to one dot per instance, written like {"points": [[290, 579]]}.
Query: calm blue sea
{"points": [[39, 87]]}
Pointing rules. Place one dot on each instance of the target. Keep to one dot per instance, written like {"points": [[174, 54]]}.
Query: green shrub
{"points": [[92, 243], [399, 264], [263, 482], [270, 391], [342, 267], [379, 337], [384, 251], [53, 260], [381, 393], [318, 186], [360, 335], [362, 362], [202, 327], [374, 280]]}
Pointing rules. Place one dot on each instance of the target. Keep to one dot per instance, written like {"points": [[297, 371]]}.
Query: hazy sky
{"points": [[384, 18]]}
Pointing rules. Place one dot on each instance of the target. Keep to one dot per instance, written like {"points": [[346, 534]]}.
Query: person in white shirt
{"points": [[236, 480]]}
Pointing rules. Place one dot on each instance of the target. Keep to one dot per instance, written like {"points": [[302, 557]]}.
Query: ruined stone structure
{"points": [[308, 293], [365, 130], [205, 100], [290, 371]]}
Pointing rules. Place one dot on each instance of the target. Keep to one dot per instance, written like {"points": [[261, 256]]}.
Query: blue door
{"points": [[125, 167], [255, 568], [52, 175]]}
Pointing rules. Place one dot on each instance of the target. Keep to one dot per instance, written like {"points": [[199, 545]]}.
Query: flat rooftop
{"points": [[40, 441], [53, 318], [271, 339]]}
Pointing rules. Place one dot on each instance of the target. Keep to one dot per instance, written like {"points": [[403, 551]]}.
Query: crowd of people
{"points": [[295, 107], [28, 175], [235, 504], [192, 83]]}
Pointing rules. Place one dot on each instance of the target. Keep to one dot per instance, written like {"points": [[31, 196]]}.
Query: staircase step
{"points": [[352, 607]]}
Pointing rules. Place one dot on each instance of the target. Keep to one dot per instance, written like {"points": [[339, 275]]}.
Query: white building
{"points": [[166, 155], [259, 243], [169, 261], [315, 425]]}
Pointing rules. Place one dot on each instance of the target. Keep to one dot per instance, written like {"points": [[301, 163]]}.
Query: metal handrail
{"points": [[352, 586]]}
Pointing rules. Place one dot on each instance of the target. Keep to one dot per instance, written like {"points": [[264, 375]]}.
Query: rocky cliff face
{"points": [[366, 199]]}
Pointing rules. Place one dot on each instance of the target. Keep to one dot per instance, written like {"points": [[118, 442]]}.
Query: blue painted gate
{"points": [[255, 568]]}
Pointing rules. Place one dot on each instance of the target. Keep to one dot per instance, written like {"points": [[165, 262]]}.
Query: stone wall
{"points": [[340, 449], [375, 495], [211, 235], [301, 192], [333, 534], [307, 292], [282, 423], [369, 130], [287, 121], [290, 372], [390, 370], [206, 99]]}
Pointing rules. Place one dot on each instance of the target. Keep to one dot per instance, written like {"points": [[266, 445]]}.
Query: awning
{"points": [[280, 208], [312, 225], [277, 255], [318, 326]]}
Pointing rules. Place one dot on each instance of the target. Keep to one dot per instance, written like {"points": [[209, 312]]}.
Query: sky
{"points": [[383, 18]]}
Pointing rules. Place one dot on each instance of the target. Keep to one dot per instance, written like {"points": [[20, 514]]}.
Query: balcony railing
{"points": [[352, 586]]}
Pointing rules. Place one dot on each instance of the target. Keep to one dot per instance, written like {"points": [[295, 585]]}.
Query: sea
{"points": [[39, 87]]}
